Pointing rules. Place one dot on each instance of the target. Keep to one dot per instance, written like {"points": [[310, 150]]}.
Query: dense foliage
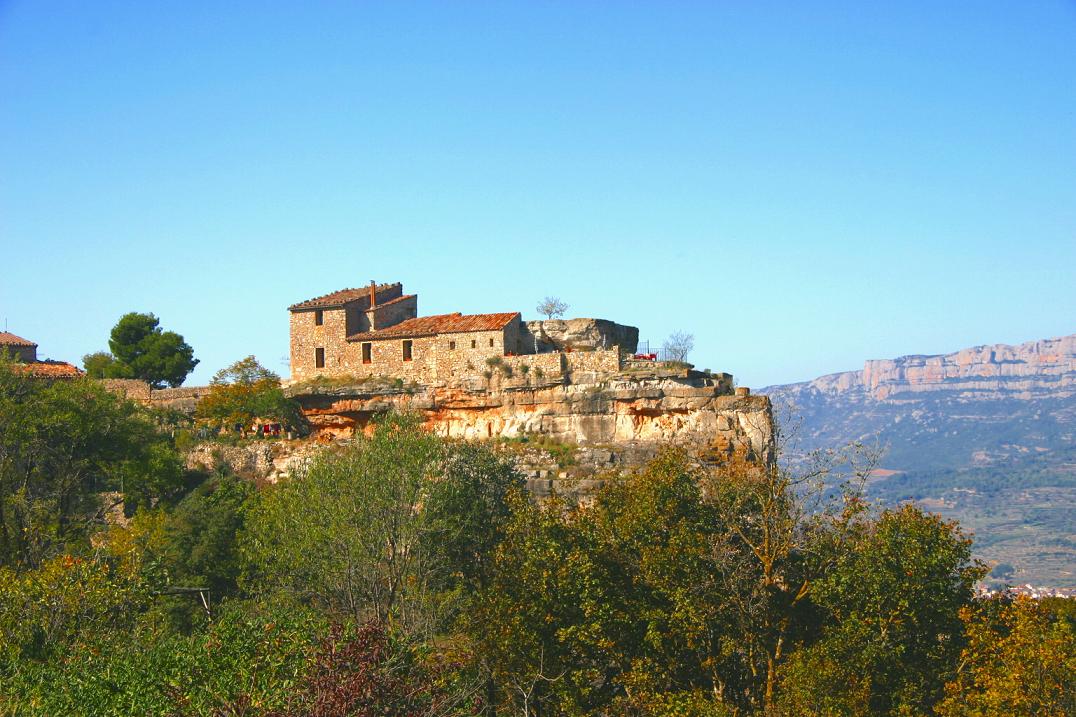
{"points": [[141, 349], [405, 574], [69, 451], [244, 392]]}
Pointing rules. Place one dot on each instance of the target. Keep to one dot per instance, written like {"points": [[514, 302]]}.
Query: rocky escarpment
{"points": [[563, 433], [1037, 368]]}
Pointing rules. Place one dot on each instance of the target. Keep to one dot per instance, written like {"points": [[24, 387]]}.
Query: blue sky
{"points": [[801, 185]]}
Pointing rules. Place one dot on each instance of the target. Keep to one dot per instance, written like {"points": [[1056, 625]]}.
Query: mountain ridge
{"points": [[986, 435]]}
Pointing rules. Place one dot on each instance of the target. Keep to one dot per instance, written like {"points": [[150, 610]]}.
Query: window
{"points": [[451, 345], [473, 343], [366, 350], [319, 317], [407, 350], [491, 343], [319, 358]]}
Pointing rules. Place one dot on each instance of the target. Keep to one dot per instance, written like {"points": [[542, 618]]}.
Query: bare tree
{"points": [[552, 307], [678, 346]]}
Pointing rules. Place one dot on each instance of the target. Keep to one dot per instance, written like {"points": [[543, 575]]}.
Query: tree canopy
{"points": [[245, 391], [63, 445], [141, 349]]}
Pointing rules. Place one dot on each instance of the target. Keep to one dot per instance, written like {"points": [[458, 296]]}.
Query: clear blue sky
{"points": [[801, 185]]}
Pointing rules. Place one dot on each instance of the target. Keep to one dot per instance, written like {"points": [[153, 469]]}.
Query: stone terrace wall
{"points": [[181, 399], [598, 361], [550, 365], [132, 388]]}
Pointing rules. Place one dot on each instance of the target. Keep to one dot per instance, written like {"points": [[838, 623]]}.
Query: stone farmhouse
{"points": [[24, 353], [376, 331]]}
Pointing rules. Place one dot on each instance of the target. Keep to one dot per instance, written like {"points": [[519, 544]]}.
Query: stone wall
{"points": [[599, 361], [385, 315], [181, 399], [439, 358], [22, 354], [538, 366], [131, 388], [307, 337]]}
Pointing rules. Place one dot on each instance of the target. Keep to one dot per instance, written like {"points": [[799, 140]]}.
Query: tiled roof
{"points": [[50, 369], [338, 298], [9, 339], [441, 324]]}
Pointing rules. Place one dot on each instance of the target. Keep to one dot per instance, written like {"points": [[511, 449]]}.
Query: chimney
{"points": [[373, 293]]}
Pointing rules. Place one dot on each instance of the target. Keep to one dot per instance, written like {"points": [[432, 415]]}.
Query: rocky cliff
{"points": [[1038, 368]]}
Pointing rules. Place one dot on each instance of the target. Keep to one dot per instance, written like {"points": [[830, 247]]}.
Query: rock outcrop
{"points": [[581, 335]]}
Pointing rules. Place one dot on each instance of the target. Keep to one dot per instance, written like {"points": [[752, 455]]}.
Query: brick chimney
{"points": [[373, 293]]}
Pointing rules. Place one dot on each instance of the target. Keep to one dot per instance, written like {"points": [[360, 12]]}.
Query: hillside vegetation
{"points": [[405, 574]]}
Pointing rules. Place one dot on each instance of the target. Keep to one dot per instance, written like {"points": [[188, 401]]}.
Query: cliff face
{"points": [[620, 413]]}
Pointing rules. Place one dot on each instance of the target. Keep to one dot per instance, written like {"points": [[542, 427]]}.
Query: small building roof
{"points": [[338, 298], [50, 369], [9, 339], [456, 323]]}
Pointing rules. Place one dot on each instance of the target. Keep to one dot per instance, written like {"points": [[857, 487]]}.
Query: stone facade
{"points": [[375, 332], [17, 348]]}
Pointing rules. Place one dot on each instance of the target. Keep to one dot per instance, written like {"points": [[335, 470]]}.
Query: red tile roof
{"points": [[441, 324], [9, 339], [50, 369], [338, 298]]}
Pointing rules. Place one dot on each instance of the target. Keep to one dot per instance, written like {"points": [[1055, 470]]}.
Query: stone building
{"points": [[376, 331], [18, 348], [24, 353]]}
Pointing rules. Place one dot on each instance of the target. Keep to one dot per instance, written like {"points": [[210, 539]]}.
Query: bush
{"points": [[244, 392]]}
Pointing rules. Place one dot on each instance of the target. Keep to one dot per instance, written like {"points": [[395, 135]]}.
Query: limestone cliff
{"points": [[1036, 368]]}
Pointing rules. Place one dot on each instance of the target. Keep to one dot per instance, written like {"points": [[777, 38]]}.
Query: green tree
{"points": [[197, 546], [614, 607], [893, 631], [244, 391], [102, 364], [377, 536], [141, 349]]}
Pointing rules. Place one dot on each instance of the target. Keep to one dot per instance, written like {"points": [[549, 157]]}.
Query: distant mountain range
{"points": [[986, 435]]}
